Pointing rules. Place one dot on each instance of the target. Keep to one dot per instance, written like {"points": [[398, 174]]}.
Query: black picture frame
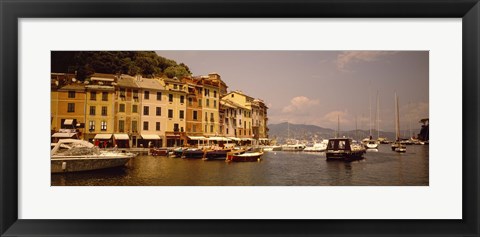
{"points": [[11, 11]]}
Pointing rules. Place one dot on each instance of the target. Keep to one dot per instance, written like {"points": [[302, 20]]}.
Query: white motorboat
{"points": [[72, 155], [317, 147], [272, 148], [371, 144], [294, 147]]}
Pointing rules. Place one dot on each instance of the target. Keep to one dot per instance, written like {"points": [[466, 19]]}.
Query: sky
{"points": [[315, 87]]}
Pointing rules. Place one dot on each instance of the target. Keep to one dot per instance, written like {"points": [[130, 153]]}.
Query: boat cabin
{"points": [[339, 144]]}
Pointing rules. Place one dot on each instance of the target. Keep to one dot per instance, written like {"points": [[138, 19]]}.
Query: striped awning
{"points": [[103, 136]]}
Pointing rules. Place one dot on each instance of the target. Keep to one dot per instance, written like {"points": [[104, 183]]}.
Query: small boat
{"points": [[401, 148], [297, 146], [343, 149], [73, 155], [371, 144], [272, 148], [217, 154], [159, 151], [193, 153], [242, 156], [317, 147], [178, 152]]}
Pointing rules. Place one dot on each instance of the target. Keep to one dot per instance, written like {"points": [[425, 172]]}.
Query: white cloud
{"points": [[349, 57], [300, 103]]}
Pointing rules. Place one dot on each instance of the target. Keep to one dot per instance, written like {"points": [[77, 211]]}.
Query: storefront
{"points": [[121, 140], [103, 140], [150, 140]]}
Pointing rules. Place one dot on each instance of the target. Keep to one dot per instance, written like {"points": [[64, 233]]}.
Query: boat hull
{"points": [[64, 165], [216, 155], [239, 158], [193, 154], [159, 152], [346, 156]]}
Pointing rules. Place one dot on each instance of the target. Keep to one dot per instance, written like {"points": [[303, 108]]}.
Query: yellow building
{"points": [[243, 104], [175, 94], [100, 110], [67, 106], [153, 114], [194, 130], [127, 112]]}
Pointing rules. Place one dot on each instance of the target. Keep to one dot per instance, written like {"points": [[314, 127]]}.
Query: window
{"points": [[181, 115], [92, 110], [104, 96], [175, 127], [190, 100], [121, 125], [195, 115], [170, 98], [212, 119], [206, 117], [146, 95], [200, 102], [103, 126], [170, 113], [174, 86], [134, 109], [214, 94], [135, 95], [91, 126], [207, 101], [159, 95], [211, 128], [93, 95], [182, 99], [122, 93], [104, 110], [214, 104], [205, 128], [158, 111], [145, 125], [134, 126], [245, 124], [122, 108], [71, 107], [157, 126], [71, 94], [145, 110], [232, 95], [226, 130]]}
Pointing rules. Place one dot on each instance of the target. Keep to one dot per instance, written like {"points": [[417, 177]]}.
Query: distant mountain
{"points": [[283, 131]]}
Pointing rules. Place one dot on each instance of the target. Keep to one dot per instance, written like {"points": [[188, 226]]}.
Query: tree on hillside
{"points": [[85, 63]]}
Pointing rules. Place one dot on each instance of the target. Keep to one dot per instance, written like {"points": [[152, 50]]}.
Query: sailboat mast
{"points": [[370, 121], [397, 119], [338, 125], [356, 127], [378, 116]]}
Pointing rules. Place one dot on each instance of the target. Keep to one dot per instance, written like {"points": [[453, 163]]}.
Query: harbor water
{"points": [[381, 167]]}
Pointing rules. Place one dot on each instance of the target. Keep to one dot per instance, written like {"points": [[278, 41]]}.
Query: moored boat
{"points": [[317, 147], [193, 153], [243, 156], [217, 154], [272, 148], [159, 151], [73, 155], [343, 149]]}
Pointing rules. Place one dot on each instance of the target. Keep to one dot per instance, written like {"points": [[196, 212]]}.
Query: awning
{"points": [[263, 139], [218, 139], [68, 122], [247, 139], [64, 134], [197, 138], [121, 136], [103, 136], [150, 137], [234, 138]]}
